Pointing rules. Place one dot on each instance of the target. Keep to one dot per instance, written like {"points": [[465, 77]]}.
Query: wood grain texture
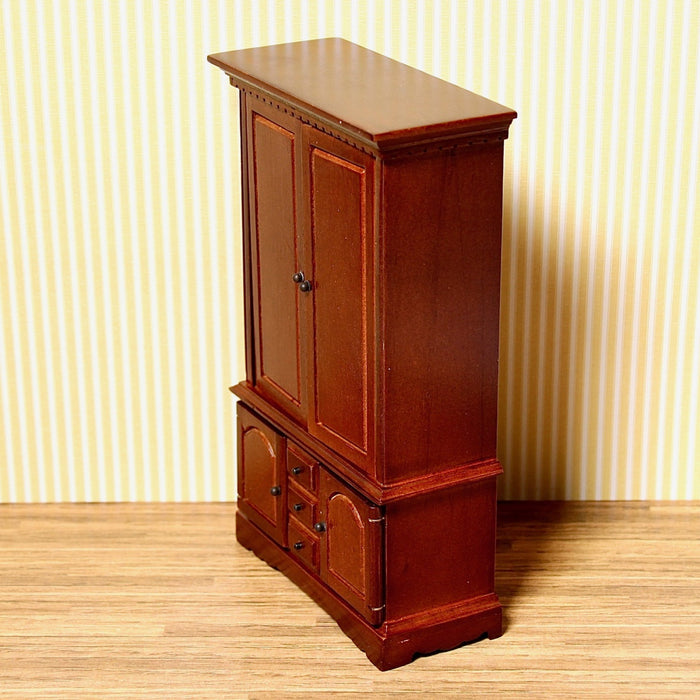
{"points": [[276, 256], [351, 555], [339, 200], [261, 467], [320, 75], [441, 239], [157, 601]]}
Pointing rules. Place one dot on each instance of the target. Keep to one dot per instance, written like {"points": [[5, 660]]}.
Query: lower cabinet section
{"points": [[327, 527], [414, 575]]}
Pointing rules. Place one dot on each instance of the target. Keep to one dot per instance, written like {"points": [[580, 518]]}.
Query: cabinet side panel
{"points": [[440, 549], [274, 234], [441, 245]]}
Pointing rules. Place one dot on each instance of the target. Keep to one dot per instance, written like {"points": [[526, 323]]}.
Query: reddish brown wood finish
{"points": [[303, 506], [439, 544], [393, 643], [380, 494], [302, 468], [304, 545], [370, 391], [372, 98], [262, 485], [339, 184], [351, 547], [441, 244], [272, 145]]}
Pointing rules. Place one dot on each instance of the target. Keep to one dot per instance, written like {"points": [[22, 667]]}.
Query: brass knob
{"points": [[276, 490], [305, 286]]}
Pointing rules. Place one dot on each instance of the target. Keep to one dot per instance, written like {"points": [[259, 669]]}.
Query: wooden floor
{"points": [[158, 601]]}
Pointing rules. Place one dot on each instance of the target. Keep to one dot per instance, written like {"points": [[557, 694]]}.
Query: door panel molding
{"points": [[277, 316], [262, 485], [348, 566], [351, 547], [339, 221]]}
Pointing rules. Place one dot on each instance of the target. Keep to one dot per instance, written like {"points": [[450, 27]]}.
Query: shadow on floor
{"points": [[525, 534]]}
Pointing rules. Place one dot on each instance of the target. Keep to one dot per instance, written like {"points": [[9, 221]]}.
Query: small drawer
{"points": [[301, 506], [303, 544], [302, 468]]}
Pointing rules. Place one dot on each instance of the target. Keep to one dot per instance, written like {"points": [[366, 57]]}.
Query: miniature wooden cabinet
{"points": [[367, 420]]}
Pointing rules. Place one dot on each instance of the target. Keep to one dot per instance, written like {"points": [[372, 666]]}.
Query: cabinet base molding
{"points": [[396, 642]]}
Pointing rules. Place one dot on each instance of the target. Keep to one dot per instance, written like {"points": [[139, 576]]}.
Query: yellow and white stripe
{"points": [[120, 303]]}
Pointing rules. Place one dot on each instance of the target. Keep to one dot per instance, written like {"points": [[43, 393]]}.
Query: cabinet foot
{"points": [[392, 644]]}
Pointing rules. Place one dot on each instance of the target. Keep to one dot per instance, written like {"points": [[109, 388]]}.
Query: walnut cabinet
{"points": [[367, 466]]}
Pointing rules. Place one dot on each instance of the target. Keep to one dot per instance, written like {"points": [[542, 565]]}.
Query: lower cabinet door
{"points": [[351, 547], [262, 483]]}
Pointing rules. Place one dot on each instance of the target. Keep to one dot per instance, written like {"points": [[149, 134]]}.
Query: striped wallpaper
{"points": [[120, 303]]}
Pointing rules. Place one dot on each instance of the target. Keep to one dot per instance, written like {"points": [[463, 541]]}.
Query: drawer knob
{"points": [[320, 527], [305, 286], [298, 545], [298, 277], [276, 490], [298, 506], [297, 470]]}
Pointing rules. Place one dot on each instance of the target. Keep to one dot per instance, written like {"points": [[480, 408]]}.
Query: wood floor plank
{"points": [[158, 601]]}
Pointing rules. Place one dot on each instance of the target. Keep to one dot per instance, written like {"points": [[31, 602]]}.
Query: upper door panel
{"points": [[273, 148], [340, 224]]}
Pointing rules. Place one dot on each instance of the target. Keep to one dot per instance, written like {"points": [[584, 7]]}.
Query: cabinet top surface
{"points": [[363, 93]]}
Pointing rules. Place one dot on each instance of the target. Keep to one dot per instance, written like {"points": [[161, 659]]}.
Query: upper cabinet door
{"points": [[273, 141], [339, 225]]}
